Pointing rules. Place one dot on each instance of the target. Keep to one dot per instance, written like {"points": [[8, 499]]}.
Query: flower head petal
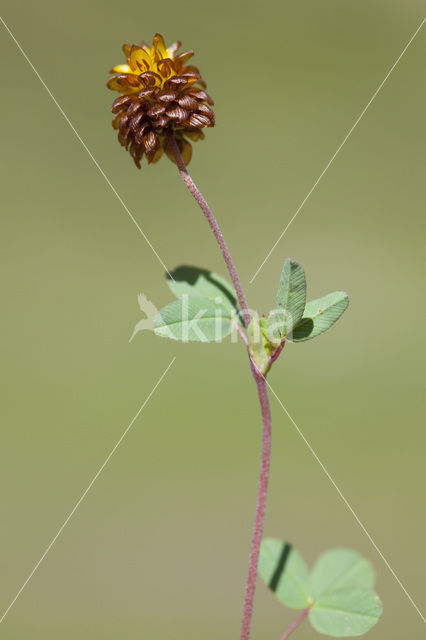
{"points": [[159, 47], [160, 95], [121, 68]]}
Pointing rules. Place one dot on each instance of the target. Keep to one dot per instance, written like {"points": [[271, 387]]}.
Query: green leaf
{"points": [[320, 315], [275, 326], [194, 318], [285, 572], [193, 281], [291, 298], [346, 612], [258, 343], [338, 589], [340, 569]]}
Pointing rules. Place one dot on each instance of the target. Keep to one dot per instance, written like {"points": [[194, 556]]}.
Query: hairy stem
{"points": [[213, 225], [260, 505], [296, 623], [261, 390]]}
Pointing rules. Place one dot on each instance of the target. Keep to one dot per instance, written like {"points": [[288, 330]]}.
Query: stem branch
{"points": [[296, 623], [261, 390]]}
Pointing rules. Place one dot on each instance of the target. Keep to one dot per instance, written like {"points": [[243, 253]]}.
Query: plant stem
{"points": [[296, 623], [213, 225], [261, 390], [260, 505]]}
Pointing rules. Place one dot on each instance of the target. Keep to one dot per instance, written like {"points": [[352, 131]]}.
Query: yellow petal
{"points": [[158, 46], [172, 49], [184, 57], [125, 83], [139, 60], [121, 68], [115, 85], [165, 67]]}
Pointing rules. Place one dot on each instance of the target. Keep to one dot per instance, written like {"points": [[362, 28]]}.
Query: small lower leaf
{"points": [[338, 591], [285, 572], [346, 612], [340, 569]]}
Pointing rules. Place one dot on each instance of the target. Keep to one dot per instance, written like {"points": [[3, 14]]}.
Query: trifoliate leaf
{"points": [[338, 590], [194, 318], [320, 315], [193, 281]]}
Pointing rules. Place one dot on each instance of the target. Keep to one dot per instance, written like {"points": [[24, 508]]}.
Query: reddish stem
{"points": [[261, 389], [260, 505], [213, 225], [275, 354], [296, 623]]}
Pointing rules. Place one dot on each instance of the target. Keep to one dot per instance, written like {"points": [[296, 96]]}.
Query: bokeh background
{"points": [[159, 547]]}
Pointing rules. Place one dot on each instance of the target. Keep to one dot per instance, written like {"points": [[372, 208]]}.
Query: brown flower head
{"points": [[160, 94]]}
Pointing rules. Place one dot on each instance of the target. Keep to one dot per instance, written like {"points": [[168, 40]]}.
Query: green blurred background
{"points": [[159, 547]]}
